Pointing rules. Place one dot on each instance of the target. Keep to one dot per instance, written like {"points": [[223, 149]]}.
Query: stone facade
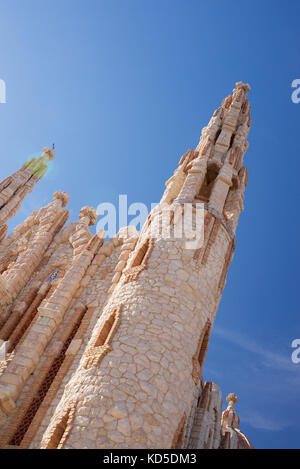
{"points": [[106, 341]]}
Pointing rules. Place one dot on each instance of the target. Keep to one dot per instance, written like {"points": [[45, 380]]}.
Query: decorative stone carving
{"points": [[88, 215], [61, 196]]}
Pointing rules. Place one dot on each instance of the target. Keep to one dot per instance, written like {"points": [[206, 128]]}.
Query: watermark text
{"points": [[2, 92], [296, 353], [177, 221], [296, 93]]}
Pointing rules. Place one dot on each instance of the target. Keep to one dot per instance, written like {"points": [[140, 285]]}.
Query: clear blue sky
{"points": [[124, 88]]}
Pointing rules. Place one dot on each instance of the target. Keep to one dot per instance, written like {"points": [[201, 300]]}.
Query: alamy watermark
{"points": [[296, 93], [2, 92], [177, 221], [296, 353]]}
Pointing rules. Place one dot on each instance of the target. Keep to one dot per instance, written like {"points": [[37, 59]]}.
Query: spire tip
{"points": [[232, 398], [245, 86]]}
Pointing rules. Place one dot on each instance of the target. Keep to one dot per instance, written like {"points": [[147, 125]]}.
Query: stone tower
{"points": [[107, 340], [14, 188]]}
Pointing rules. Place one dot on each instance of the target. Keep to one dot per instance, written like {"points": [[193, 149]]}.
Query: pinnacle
{"points": [[232, 398], [245, 86]]}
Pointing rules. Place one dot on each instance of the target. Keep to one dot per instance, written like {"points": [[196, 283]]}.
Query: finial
{"points": [[232, 398], [62, 196], [50, 152], [88, 215], [229, 416], [245, 86]]}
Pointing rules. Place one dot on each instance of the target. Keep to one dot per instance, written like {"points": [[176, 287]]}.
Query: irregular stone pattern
{"points": [[106, 340]]}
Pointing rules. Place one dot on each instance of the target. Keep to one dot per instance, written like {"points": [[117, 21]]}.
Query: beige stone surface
{"points": [[107, 340]]}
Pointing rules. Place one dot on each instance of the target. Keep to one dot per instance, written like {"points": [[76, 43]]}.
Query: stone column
{"points": [[49, 316], [51, 219]]}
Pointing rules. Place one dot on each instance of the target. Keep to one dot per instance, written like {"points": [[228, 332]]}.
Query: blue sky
{"points": [[124, 88]]}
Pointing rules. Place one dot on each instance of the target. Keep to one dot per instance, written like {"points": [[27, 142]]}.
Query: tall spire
{"points": [[207, 173], [38, 166], [16, 187]]}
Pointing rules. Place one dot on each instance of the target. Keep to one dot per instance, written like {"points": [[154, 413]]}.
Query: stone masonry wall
{"points": [[107, 340], [144, 385]]}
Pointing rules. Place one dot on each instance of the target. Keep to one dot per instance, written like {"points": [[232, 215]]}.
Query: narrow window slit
{"points": [[105, 332], [199, 357], [208, 183], [140, 256], [179, 434], [101, 345], [139, 262]]}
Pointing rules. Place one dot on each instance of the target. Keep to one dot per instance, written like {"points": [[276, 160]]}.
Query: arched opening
{"points": [[105, 334], [208, 183], [228, 205], [101, 344], [139, 261], [218, 134], [235, 184], [231, 140]]}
